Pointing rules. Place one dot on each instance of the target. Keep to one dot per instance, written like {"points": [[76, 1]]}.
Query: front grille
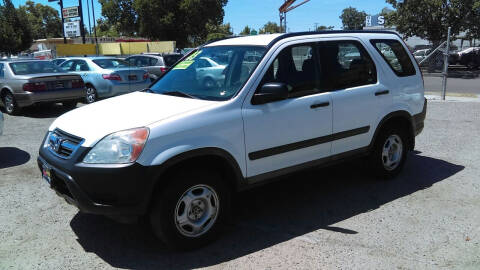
{"points": [[63, 144]]}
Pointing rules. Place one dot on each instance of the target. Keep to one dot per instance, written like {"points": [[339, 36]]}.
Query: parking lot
{"points": [[331, 218]]}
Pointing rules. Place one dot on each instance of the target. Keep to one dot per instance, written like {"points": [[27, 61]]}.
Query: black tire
{"points": [[167, 208], [208, 83], [91, 94], [11, 106], [70, 105], [379, 159]]}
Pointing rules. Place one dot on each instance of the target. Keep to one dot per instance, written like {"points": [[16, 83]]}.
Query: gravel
{"points": [[331, 218]]}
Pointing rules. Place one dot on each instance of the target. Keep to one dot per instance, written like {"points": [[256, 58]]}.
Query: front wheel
{"points": [[11, 106], [389, 152], [91, 94], [189, 213]]}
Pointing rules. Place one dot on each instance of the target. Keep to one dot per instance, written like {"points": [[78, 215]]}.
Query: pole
{"points": [[94, 26], [445, 65], [82, 27], [63, 21], [89, 25]]}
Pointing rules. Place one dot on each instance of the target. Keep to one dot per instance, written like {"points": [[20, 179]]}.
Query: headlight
{"points": [[118, 148]]}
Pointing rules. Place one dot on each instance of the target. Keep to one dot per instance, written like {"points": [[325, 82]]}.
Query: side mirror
{"points": [[270, 92]]}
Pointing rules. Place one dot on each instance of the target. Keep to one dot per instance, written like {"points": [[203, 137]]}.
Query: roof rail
{"points": [[295, 34]]}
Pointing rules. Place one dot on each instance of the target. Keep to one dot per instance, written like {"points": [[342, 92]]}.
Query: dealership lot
{"points": [[329, 218]]}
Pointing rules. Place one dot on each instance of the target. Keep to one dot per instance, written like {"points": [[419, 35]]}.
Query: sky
{"points": [[255, 13]]}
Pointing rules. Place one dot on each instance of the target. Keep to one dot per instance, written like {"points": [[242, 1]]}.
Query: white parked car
{"points": [[177, 151]]}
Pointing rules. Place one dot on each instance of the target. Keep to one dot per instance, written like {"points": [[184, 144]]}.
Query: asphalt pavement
{"points": [[454, 85], [331, 218]]}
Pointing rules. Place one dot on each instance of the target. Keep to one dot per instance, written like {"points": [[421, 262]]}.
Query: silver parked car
{"points": [[106, 76], [27, 82], [155, 64]]}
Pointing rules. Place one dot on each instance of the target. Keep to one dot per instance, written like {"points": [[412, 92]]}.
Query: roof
{"points": [[270, 39]]}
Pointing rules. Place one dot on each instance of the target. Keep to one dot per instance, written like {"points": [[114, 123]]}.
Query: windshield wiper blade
{"points": [[147, 90], [179, 94]]}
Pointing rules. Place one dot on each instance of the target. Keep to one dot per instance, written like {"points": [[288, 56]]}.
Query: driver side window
{"points": [[67, 66]]}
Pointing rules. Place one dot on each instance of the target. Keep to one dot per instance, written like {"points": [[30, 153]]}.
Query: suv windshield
{"points": [[33, 67], [212, 73], [110, 63]]}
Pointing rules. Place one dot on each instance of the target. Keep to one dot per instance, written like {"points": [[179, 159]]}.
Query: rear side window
{"points": [[346, 64], [171, 59], [395, 55], [2, 74]]}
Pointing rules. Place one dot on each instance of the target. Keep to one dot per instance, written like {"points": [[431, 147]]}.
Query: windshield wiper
{"points": [[147, 90], [179, 94]]}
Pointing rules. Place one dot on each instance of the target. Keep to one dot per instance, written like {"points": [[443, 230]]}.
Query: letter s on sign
{"points": [[381, 20]]}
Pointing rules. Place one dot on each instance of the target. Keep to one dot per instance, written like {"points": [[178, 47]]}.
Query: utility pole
{"points": [[286, 7], [94, 26], [63, 22], [316, 27], [89, 25], [82, 27]]}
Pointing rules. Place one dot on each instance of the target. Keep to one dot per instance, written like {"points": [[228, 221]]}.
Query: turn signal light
{"points": [[145, 76], [78, 84], [163, 69], [112, 77]]}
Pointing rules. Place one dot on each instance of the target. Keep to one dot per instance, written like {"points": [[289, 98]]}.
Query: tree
{"points": [[323, 28], [429, 19], [472, 26], [43, 20], [271, 27], [15, 34], [218, 31], [122, 15], [184, 21], [246, 31], [352, 19]]}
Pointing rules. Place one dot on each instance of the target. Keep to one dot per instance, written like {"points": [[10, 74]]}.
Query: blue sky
{"points": [[256, 13]]}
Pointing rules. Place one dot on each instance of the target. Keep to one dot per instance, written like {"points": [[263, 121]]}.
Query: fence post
{"points": [[445, 65]]}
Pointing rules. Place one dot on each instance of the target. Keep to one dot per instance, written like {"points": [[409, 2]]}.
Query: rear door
{"points": [[358, 97]]}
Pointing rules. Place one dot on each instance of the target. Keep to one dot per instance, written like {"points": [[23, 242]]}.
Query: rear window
{"points": [[33, 67], [110, 63], [395, 55], [171, 59]]}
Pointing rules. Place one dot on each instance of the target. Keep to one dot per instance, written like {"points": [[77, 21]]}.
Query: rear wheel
{"points": [[208, 83], [189, 212], [11, 106], [72, 104], [389, 152], [91, 94]]}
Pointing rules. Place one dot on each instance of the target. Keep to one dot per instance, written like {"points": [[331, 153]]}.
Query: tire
{"points": [[11, 106], [389, 152], [70, 105], [91, 95], [191, 198], [208, 83]]}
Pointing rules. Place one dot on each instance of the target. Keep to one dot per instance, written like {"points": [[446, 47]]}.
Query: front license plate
{"points": [[132, 77], [47, 173]]}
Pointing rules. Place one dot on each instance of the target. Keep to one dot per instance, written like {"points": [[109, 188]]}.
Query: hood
{"points": [[95, 121]]}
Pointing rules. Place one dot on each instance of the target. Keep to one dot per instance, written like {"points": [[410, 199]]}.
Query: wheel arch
{"points": [[400, 117]]}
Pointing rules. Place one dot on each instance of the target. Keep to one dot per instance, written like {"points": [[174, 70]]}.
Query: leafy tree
{"points": [[218, 31], [44, 20], [271, 27], [323, 28], [105, 29], [185, 21], [122, 15], [352, 19], [246, 31], [472, 25], [429, 19], [15, 33]]}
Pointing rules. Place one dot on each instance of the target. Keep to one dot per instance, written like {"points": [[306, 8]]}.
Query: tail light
{"points": [[145, 76], [78, 84], [112, 77], [163, 69], [35, 87]]}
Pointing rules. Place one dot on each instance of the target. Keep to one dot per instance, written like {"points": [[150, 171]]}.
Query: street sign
{"points": [[72, 29], [70, 12], [375, 20]]}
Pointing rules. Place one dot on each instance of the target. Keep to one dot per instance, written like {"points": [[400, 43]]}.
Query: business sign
{"points": [[70, 12], [375, 20], [72, 29]]}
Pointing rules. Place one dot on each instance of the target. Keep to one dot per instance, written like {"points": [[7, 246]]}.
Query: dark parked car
{"points": [[155, 64], [470, 57]]}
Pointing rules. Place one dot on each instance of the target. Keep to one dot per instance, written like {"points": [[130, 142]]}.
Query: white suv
{"points": [[178, 150]]}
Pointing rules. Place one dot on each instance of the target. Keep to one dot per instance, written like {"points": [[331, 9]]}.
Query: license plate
{"points": [[59, 85], [47, 173], [132, 77]]}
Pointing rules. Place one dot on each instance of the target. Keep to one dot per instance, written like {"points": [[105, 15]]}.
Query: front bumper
{"points": [[122, 190], [29, 98]]}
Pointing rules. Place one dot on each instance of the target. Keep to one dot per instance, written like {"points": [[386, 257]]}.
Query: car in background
{"points": [[27, 82], [107, 76], [421, 54], [469, 57], [59, 61], [155, 64], [208, 72]]}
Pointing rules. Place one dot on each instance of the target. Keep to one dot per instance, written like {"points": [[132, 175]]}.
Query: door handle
{"points": [[318, 105], [384, 92]]}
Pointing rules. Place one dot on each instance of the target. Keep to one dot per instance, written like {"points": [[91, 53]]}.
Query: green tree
{"points": [[352, 19], [429, 19], [323, 28], [270, 27], [218, 31], [122, 15], [44, 20], [105, 29], [246, 31], [185, 21], [472, 25], [15, 33]]}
